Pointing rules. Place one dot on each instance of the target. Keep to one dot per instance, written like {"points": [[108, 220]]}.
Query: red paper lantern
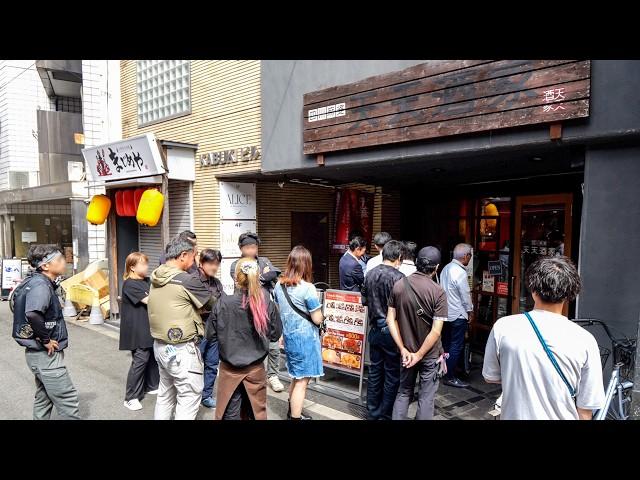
{"points": [[137, 195], [129, 203], [120, 203]]}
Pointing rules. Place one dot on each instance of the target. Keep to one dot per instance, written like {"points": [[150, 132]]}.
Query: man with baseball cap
{"points": [[417, 311], [39, 326]]}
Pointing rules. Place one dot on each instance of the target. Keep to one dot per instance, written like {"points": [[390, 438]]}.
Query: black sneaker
{"points": [[455, 382], [302, 415]]}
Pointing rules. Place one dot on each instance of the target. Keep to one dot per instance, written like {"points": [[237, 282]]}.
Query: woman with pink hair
{"points": [[243, 324]]}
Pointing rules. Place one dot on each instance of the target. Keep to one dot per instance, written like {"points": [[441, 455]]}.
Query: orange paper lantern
{"points": [[150, 208], [98, 209]]}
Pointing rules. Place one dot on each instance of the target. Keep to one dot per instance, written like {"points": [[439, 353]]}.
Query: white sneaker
{"points": [[275, 384], [133, 404], [153, 392]]}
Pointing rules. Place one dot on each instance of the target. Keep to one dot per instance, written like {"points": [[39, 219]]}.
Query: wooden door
{"points": [[311, 229], [542, 228]]}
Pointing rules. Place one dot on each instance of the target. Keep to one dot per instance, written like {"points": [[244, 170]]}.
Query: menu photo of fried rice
{"points": [[350, 360]]}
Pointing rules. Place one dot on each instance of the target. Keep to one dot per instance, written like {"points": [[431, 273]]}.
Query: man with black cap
{"points": [[248, 243], [39, 326], [417, 311]]}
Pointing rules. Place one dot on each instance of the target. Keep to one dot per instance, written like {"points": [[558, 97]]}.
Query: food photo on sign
{"points": [[343, 342]]}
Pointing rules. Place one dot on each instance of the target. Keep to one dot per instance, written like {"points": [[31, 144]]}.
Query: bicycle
{"points": [[620, 384]]}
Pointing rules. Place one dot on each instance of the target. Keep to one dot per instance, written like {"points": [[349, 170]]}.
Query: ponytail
{"points": [[248, 278]]}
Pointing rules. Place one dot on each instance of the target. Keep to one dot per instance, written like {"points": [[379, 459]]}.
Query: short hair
{"points": [[246, 235], [178, 245], [381, 238], [410, 249], [392, 250], [189, 235], [357, 242], [461, 250], [424, 266], [210, 255], [553, 279], [166, 248], [38, 252]]}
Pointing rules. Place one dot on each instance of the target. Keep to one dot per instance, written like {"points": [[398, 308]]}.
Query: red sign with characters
{"points": [[502, 288]]}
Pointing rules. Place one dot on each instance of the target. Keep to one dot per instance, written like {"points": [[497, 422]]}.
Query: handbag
{"points": [[322, 327], [551, 356]]}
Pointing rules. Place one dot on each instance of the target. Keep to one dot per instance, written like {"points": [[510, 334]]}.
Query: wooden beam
{"points": [[112, 256], [555, 131], [164, 223], [320, 160]]}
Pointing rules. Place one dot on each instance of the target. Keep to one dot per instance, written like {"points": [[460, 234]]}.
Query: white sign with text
{"points": [[237, 201], [230, 231], [131, 158]]}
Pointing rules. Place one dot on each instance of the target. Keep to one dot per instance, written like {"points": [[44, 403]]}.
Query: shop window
{"points": [[164, 89]]}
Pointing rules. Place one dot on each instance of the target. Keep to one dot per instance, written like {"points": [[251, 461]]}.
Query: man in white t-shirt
{"points": [[532, 388], [380, 239]]}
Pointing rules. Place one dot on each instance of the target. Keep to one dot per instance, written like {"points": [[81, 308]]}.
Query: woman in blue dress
{"points": [[301, 315]]}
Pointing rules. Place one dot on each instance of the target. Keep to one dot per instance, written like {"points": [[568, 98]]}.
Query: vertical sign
{"points": [[238, 215]]}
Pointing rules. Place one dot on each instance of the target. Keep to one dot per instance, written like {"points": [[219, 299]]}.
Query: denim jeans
{"points": [[453, 343], [384, 374], [211, 359]]}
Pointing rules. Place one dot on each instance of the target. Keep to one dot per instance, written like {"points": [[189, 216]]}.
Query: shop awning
{"points": [[53, 191]]}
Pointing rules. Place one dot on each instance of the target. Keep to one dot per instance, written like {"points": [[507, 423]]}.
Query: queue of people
{"points": [[187, 337]]}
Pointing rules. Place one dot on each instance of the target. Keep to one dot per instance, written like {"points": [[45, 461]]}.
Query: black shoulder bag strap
{"points": [[420, 311], [295, 309]]}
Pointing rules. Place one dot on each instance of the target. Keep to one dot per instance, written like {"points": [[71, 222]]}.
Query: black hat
{"points": [[430, 254], [248, 238]]}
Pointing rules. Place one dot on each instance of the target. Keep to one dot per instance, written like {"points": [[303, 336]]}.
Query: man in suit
{"points": [[351, 272]]}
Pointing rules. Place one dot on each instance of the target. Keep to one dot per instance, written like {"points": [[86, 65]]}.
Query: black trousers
{"points": [[239, 405], [143, 376]]}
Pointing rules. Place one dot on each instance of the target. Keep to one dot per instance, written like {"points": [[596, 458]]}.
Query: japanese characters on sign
{"points": [[553, 95], [131, 158], [344, 341]]}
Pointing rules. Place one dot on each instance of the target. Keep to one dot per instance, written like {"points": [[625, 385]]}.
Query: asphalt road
{"points": [[98, 370]]}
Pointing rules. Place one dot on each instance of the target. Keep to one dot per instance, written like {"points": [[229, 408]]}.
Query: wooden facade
{"points": [[438, 99]]}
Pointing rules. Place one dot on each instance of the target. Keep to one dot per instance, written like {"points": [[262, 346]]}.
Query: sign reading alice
{"points": [[131, 158], [344, 341]]}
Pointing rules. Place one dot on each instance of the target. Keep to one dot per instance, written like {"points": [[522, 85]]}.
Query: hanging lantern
{"points": [[120, 203], [129, 203], [150, 208], [137, 195], [98, 209]]}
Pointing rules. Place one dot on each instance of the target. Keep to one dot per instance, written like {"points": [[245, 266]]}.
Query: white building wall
{"points": [[21, 96], [102, 123]]}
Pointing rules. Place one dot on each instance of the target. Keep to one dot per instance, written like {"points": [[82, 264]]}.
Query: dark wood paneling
{"points": [[399, 107]]}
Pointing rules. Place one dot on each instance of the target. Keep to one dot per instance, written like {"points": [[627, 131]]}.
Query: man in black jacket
{"points": [[248, 244], [351, 271], [39, 326]]}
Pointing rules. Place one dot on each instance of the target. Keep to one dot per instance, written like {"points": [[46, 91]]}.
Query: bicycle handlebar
{"points": [[594, 321]]}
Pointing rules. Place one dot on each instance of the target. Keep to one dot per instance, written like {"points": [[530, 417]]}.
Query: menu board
{"points": [[344, 341]]}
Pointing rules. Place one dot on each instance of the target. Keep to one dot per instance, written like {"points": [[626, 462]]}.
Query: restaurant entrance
{"points": [[508, 228]]}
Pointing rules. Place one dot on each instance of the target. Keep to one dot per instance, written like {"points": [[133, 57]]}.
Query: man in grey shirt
{"points": [[531, 386]]}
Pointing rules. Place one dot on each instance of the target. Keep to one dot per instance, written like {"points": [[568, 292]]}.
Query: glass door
{"points": [[542, 228]]}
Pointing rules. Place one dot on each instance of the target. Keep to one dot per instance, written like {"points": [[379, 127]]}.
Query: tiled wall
{"points": [[102, 124]]}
